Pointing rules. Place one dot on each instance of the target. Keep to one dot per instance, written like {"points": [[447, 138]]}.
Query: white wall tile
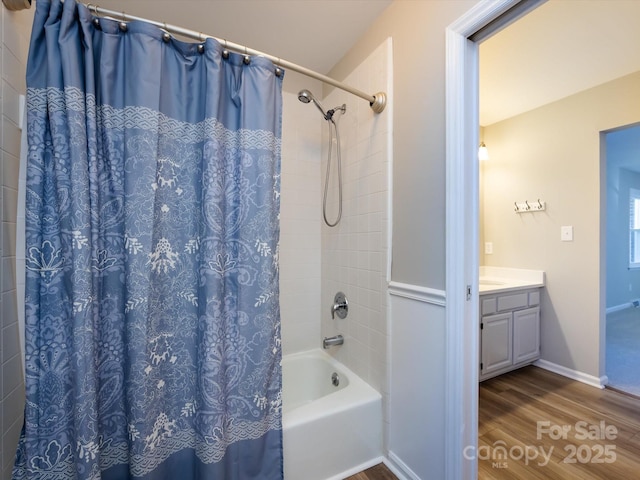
{"points": [[10, 340], [13, 403], [9, 204], [11, 377], [359, 266], [300, 255], [9, 443], [13, 70], [11, 102], [15, 30], [10, 137], [8, 266], [10, 169], [9, 314]]}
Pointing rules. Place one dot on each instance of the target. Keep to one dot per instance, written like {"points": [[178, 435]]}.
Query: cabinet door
{"points": [[496, 343], [526, 335]]}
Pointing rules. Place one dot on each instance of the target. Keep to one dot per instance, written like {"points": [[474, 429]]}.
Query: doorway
{"points": [[462, 242], [622, 148]]}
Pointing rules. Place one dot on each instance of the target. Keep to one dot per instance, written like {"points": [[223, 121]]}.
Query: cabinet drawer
{"points": [[488, 306], [511, 302], [534, 298]]}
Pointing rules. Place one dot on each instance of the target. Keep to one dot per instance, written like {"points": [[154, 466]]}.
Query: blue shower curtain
{"points": [[152, 225]]}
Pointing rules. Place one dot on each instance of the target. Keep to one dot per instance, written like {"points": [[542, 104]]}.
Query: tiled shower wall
{"points": [[317, 261], [16, 28], [355, 252], [300, 221]]}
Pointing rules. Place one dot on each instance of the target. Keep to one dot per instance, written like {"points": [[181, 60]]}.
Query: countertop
{"points": [[501, 279]]}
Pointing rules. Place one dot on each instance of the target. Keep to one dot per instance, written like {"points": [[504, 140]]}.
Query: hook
{"points": [[517, 209], [123, 23], [225, 52], [539, 204], [96, 20], [278, 69], [527, 204], [246, 59]]}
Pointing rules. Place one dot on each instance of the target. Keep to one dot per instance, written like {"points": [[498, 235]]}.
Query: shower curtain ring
{"points": [[225, 52], [96, 20]]}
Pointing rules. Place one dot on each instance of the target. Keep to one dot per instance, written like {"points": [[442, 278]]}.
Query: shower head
{"points": [[305, 96]]}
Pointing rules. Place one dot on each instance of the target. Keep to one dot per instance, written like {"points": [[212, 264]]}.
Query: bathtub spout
{"points": [[332, 341]]}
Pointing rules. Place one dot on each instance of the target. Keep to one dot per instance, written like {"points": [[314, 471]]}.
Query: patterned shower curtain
{"points": [[152, 225]]}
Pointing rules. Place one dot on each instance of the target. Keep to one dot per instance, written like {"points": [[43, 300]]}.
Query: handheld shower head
{"points": [[305, 96]]}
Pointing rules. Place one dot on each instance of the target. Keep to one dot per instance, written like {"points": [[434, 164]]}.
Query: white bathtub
{"points": [[329, 432]]}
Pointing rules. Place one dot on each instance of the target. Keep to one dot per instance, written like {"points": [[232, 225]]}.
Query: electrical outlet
{"points": [[488, 248]]}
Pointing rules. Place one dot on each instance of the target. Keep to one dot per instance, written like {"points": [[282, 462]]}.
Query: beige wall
{"points": [[418, 32], [553, 153]]}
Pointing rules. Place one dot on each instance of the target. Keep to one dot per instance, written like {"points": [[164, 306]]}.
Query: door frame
{"points": [[462, 237]]}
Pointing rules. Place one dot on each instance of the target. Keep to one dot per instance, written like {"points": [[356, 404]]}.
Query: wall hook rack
{"points": [[529, 206]]}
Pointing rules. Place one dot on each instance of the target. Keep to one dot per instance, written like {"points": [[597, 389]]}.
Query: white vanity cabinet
{"points": [[509, 331]]}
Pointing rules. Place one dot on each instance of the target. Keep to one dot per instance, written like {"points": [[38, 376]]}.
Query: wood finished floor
{"points": [[377, 472], [511, 406]]}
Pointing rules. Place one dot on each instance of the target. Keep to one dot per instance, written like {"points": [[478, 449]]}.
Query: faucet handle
{"points": [[340, 306]]}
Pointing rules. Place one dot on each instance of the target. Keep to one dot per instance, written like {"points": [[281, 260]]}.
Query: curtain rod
{"points": [[377, 102]]}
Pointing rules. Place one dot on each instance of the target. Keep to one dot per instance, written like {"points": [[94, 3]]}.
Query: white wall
{"points": [[554, 153], [16, 28]]}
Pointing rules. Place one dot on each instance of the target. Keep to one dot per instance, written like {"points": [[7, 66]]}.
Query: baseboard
{"points": [[363, 466], [573, 374], [399, 468], [618, 308]]}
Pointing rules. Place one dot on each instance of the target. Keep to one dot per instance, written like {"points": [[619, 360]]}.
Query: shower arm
{"points": [[377, 102]]}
